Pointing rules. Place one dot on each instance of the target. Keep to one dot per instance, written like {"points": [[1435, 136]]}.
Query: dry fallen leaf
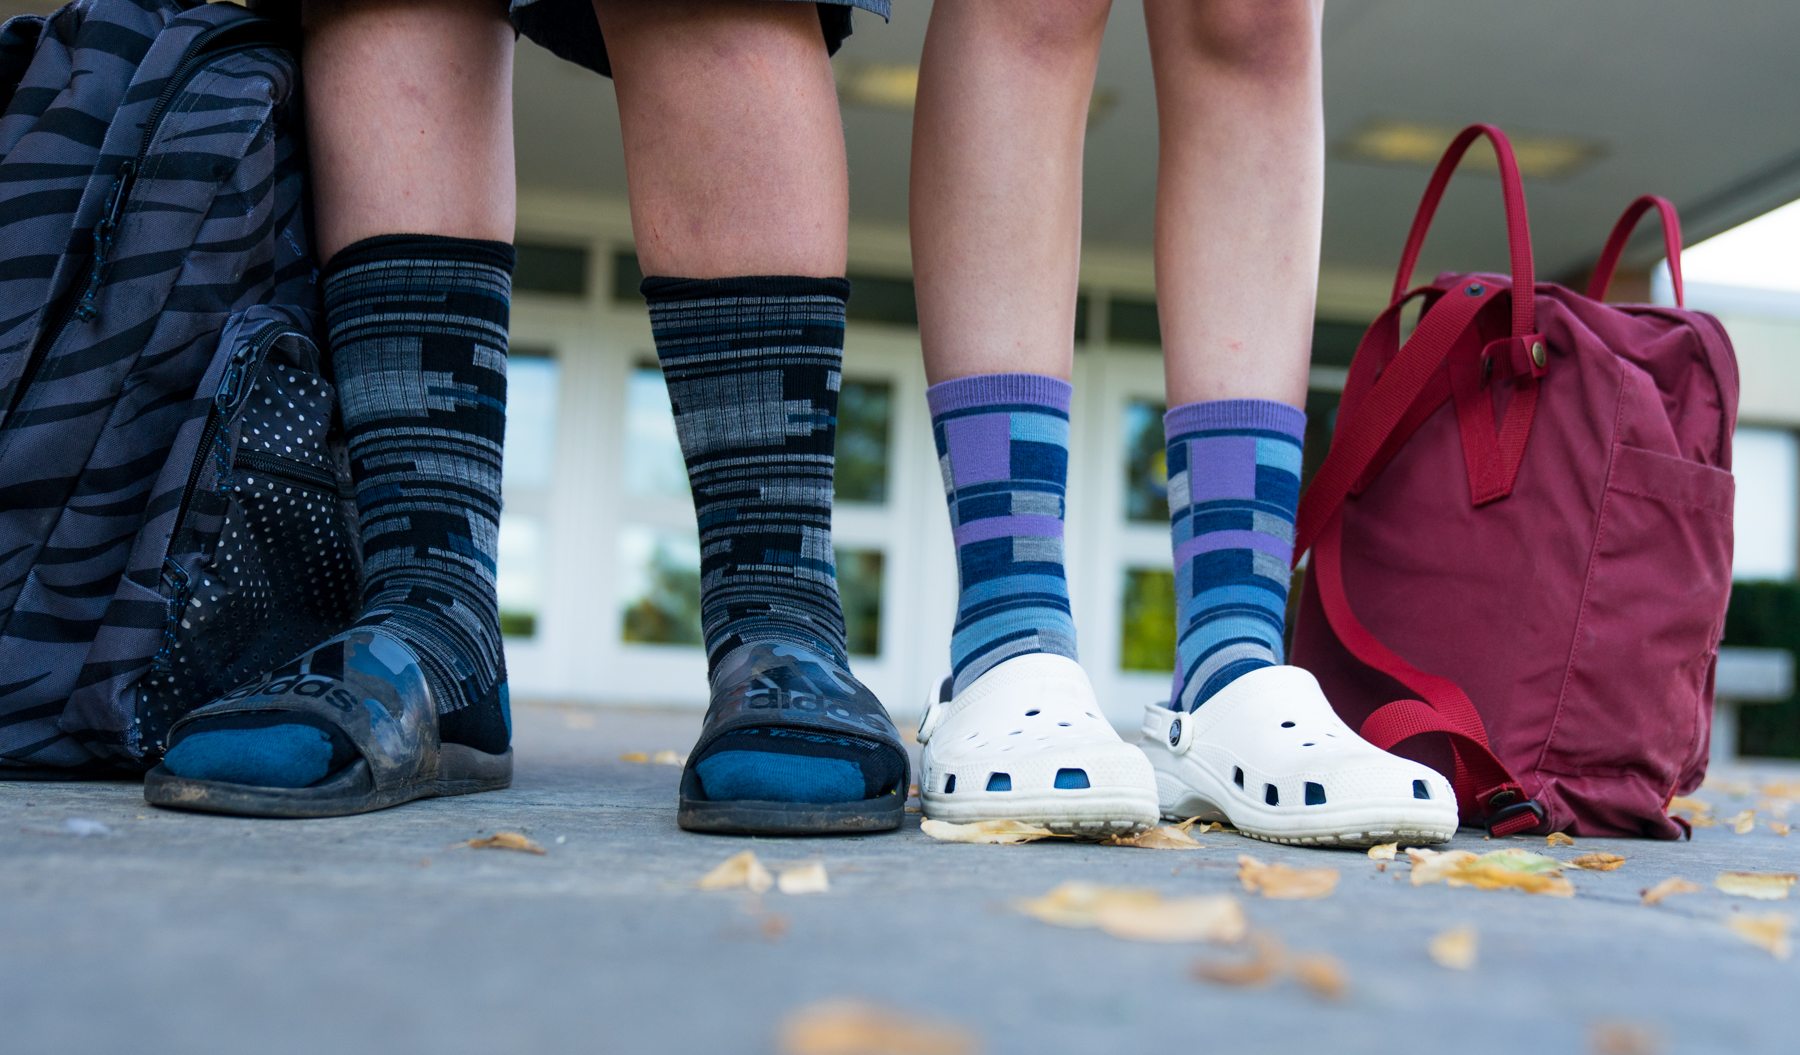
{"points": [[1622, 1038], [999, 833], [1781, 789], [1763, 886], [1597, 862], [774, 926], [1779, 828], [668, 758], [1726, 787], [1559, 839], [1322, 974], [852, 1027], [1189, 826], [1669, 888], [1137, 914], [506, 841], [738, 870], [1502, 869], [1259, 969], [1768, 931], [808, 878], [1743, 822], [1454, 948], [1166, 838], [1383, 851], [1284, 882], [635, 756], [1697, 813]]}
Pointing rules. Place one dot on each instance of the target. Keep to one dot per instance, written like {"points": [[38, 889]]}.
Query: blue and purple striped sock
{"points": [[1234, 487], [1003, 446]]}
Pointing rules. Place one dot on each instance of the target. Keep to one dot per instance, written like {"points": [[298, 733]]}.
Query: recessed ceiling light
{"points": [[888, 86], [1415, 143], [893, 87]]}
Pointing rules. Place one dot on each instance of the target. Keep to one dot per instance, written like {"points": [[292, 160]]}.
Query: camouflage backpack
{"points": [[173, 511]]}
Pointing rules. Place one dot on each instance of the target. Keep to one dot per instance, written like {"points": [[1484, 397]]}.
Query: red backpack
{"points": [[1521, 538]]}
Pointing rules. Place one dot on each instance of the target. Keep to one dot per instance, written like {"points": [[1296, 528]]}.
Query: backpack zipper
{"points": [[240, 374], [209, 45], [300, 474]]}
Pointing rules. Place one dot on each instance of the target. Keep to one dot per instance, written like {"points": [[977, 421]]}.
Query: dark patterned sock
{"points": [[753, 367], [418, 336]]}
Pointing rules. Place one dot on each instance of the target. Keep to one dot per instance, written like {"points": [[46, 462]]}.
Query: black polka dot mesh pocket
{"points": [[262, 560]]}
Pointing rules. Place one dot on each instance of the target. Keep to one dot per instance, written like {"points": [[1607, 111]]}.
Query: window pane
{"points": [[1147, 621], [859, 584], [1766, 463], [520, 582], [865, 419], [1146, 463], [531, 376], [878, 298], [559, 270], [627, 276], [653, 466], [659, 573]]}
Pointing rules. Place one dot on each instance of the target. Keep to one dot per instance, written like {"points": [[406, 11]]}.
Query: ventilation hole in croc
{"points": [[1421, 790], [1071, 779], [1237, 776], [1309, 743], [1015, 732], [950, 784], [1315, 794], [1065, 725], [1033, 713], [999, 782], [1287, 725], [1270, 795]]}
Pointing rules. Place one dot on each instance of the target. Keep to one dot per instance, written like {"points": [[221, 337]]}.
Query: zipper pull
{"points": [[234, 377], [105, 233]]}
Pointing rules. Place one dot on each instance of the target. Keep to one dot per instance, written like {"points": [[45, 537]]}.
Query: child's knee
{"points": [[1050, 28], [1256, 39]]}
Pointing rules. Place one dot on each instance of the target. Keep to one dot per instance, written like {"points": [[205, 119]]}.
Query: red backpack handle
{"points": [[1518, 224], [1621, 234]]}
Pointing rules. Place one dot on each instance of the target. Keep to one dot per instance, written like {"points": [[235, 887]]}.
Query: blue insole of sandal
{"points": [[769, 776], [270, 756]]}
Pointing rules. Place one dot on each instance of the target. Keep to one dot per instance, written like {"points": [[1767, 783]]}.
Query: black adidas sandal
{"points": [[768, 690], [367, 686]]}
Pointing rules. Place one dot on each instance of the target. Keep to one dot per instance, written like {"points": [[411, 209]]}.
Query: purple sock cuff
{"points": [[1262, 415], [987, 390]]}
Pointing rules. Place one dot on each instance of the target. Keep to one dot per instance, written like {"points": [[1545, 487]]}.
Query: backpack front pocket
{"points": [[1635, 702]]}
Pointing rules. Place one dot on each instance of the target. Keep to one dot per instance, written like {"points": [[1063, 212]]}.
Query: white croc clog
{"points": [[1268, 755], [1027, 741]]}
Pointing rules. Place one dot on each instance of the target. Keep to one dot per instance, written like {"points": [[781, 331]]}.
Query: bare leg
{"points": [[734, 149], [734, 154], [1240, 187], [996, 182], [409, 116]]}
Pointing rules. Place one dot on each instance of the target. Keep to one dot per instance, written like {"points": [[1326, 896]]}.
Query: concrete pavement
{"points": [[124, 928]]}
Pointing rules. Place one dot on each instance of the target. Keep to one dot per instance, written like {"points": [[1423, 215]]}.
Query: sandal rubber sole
{"points": [[461, 771]]}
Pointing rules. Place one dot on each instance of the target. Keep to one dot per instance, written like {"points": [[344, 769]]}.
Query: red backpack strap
{"points": [[1485, 789], [1621, 234]]}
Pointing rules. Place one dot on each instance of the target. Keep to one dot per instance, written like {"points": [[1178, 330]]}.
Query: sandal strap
{"points": [[363, 683], [762, 685]]}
